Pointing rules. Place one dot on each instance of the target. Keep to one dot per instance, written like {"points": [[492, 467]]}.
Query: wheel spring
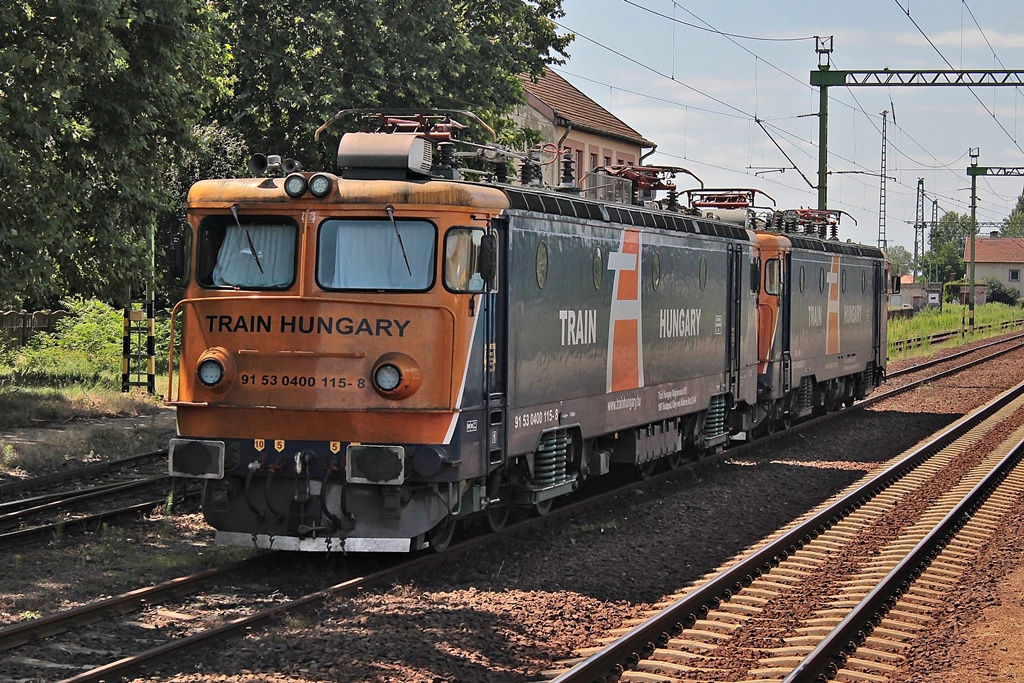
{"points": [[868, 376], [714, 425], [804, 400], [550, 460]]}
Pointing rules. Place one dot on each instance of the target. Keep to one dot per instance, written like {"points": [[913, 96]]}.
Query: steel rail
{"points": [[73, 497], [832, 652], [19, 504], [58, 622], [20, 535], [959, 354], [643, 639], [77, 473], [693, 608]]}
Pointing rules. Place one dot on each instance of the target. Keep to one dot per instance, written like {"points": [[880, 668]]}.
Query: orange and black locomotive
{"points": [[368, 357]]}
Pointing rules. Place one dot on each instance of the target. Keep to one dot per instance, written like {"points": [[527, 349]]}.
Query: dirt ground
{"points": [[991, 648]]}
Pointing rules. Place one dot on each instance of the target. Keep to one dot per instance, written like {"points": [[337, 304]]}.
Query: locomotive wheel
{"points": [[544, 507], [675, 460], [440, 537], [787, 421], [647, 469], [770, 427], [497, 516]]}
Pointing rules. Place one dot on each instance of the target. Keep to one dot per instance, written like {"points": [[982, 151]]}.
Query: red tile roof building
{"points": [[998, 257], [565, 116]]}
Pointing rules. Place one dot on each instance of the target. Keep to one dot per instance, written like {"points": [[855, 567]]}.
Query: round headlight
{"points": [[320, 185], [210, 372], [295, 185], [387, 377]]}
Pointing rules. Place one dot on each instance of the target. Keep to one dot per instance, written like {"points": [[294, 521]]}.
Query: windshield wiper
{"points": [[252, 247], [391, 214]]}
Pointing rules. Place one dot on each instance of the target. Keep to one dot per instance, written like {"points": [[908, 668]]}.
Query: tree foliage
{"points": [[109, 108], [294, 72], [944, 260], [1013, 225], [96, 99], [1000, 292], [901, 258]]}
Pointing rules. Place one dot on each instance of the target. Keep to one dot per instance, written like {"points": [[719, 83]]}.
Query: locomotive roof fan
{"points": [[394, 156]]}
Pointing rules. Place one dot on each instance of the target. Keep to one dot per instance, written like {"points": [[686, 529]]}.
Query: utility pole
{"points": [[919, 225], [974, 171], [933, 273], [883, 243], [824, 49], [974, 152]]}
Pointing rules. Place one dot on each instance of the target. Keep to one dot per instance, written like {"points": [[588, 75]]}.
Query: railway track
{"points": [[844, 590], [174, 640], [40, 506], [1003, 344]]}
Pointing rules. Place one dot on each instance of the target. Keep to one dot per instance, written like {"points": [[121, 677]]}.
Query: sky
{"points": [[696, 76]]}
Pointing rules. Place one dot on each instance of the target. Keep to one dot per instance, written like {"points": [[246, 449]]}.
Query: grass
{"points": [[951, 318], [32, 453], [27, 406], [75, 371]]}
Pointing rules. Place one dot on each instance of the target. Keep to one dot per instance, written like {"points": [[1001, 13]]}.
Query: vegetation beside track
{"points": [[931, 321], [75, 371]]}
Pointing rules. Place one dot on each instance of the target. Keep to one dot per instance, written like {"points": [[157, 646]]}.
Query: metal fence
{"points": [[899, 345], [19, 326]]}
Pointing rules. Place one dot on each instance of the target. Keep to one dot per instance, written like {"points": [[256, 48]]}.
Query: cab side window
{"points": [[463, 260], [773, 277]]}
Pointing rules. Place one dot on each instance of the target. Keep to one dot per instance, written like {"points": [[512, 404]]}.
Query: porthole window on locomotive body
{"points": [[803, 279], [598, 268], [702, 273], [821, 280], [842, 279], [542, 264], [656, 271]]}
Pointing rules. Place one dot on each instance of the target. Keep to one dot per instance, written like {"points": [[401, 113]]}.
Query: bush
{"points": [[999, 292], [84, 349]]}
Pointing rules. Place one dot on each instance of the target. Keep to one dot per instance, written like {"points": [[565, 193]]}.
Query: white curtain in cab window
{"points": [[275, 247], [368, 255]]}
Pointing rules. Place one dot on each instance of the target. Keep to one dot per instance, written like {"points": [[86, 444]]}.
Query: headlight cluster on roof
{"points": [[319, 185]]}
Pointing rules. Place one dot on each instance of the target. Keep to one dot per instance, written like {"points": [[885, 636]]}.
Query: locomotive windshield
{"points": [[376, 254], [250, 253]]}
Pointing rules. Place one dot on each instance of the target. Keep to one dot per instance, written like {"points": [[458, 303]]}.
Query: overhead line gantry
{"points": [[825, 77]]}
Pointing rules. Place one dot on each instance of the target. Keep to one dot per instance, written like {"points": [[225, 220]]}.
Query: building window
{"points": [[1014, 275], [607, 161], [593, 161]]}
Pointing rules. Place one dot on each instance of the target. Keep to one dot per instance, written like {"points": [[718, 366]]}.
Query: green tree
{"points": [[944, 263], [901, 258], [99, 100], [1013, 225], [216, 152], [296, 71], [96, 101], [944, 260], [953, 228]]}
